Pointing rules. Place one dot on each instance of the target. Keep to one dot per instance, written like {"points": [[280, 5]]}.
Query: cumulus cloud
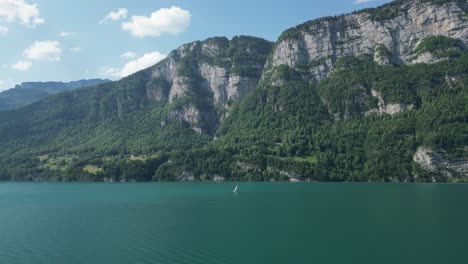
{"points": [[115, 16], [22, 65], [172, 20], [128, 55], [362, 1], [3, 31], [147, 60], [44, 50], [21, 11]]}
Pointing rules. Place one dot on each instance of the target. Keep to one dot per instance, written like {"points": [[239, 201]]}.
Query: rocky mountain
{"points": [[399, 33], [211, 75], [30, 92], [390, 34], [376, 95]]}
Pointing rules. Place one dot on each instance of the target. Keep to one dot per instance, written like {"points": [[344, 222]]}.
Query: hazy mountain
{"points": [[30, 92]]}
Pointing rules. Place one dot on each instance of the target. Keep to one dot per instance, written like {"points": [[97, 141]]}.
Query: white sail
{"points": [[235, 189]]}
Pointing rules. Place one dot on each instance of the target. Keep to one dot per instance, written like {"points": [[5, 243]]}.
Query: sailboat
{"points": [[235, 190]]}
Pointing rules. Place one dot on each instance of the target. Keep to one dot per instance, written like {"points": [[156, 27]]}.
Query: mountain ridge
{"points": [[320, 104], [325, 40]]}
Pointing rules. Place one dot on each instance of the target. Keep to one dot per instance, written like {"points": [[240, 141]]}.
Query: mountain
{"points": [[30, 92], [376, 95]]}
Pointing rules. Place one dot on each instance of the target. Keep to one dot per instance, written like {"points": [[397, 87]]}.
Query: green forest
{"points": [[288, 128], [275, 133]]}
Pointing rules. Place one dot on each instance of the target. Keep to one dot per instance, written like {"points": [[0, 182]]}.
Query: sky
{"points": [[67, 40]]}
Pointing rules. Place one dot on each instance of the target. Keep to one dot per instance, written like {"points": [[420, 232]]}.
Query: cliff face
{"points": [[389, 33], [354, 63], [202, 79]]}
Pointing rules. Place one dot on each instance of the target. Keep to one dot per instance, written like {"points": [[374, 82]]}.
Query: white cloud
{"points": [[4, 31], [114, 16], [39, 50], [147, 60], [172, 20], [22, 65], [65, 34], [128, 55], [19, 10], [75, 49], [44, 50], [362, 1]]}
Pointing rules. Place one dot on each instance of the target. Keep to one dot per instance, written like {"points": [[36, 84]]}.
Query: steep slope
{"points": [[176, 104], [204, 78], [356, 97], [377, 95], [30, 92], [389, 34]]}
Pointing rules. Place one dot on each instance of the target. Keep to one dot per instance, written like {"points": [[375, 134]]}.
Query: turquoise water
{"points": [[207, 223]]}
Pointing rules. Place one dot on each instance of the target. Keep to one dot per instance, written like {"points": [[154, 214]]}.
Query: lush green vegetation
{"points": [[292, 121], [243, 55], [286, 128], [440, 46]]}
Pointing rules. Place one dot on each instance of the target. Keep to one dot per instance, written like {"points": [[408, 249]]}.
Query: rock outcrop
{"points": [[390, 109], [432, 161]]}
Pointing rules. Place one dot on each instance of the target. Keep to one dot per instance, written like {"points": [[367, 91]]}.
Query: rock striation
{"points": [[216, 71], [397, 28], [432, 161]]}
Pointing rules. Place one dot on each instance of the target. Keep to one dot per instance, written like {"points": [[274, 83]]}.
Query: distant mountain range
{"points": [[376, 95], [30, 92]]}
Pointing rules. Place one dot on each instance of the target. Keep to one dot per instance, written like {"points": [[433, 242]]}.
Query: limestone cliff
{"points": [[397, 28], [403, 32], [201, 79]]}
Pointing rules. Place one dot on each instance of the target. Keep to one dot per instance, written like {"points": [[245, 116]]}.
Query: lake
{"points": [[208, 223]]}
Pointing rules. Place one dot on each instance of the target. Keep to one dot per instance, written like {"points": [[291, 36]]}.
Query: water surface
{"points": [[207, 223]]}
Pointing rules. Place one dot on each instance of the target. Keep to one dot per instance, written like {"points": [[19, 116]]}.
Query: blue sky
{"points": [[65, 40]]}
